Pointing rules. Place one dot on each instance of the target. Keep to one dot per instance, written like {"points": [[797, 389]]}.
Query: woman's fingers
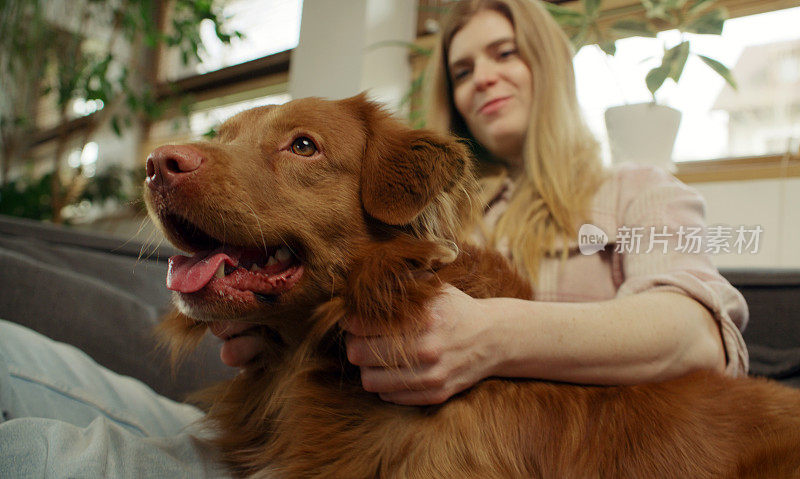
{"points": [[241, 343], [385, 380], [447, 355], [412, 387], [359, 328], [369, 351], [391, 351], [240, 350]]}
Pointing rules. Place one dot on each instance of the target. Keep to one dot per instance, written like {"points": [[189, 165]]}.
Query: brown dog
{"points": [[301, 215]]}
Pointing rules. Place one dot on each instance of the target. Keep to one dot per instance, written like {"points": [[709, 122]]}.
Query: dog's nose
{"points": [[169, 165]]}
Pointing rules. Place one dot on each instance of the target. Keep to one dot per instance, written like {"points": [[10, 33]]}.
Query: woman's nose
{"points": [[485, 75]]}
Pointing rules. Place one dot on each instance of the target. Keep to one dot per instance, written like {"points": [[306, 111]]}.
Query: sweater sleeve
{"points": [[663, 245]]}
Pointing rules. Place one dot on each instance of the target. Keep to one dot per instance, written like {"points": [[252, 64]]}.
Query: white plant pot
{"points": [[642, 133]]}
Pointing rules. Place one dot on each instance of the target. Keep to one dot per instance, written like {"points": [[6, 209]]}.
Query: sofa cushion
{"points": [[773, 333], [96, 293]]}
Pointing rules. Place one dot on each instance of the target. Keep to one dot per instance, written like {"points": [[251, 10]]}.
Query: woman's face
{"points": [[492, 86]]}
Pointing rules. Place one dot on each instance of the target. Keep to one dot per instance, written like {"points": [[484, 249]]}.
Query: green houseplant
{"points": [[686, 16], [631, 135], [92, 51]]}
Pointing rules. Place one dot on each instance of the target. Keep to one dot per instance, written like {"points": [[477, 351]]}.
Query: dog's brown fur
{"points": [[372, 216]]}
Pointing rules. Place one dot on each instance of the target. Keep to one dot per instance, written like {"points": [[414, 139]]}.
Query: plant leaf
{"points": [[675, 60], [565, 16], [655, 9], [655, 78], [580, 38], [636, 28], [609, 47], [677, 4], [721, 69], [710, 23], [115, 126], [556, 9], [592, 7], [698, 6]]}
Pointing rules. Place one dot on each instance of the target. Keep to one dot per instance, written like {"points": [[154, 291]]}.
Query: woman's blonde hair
{"points": [[562, 166]]}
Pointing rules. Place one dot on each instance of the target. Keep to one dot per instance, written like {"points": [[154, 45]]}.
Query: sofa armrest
{"points": [[773, 332]]}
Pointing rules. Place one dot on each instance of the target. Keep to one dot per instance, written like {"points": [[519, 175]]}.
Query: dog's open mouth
{"points": [[266, 271]]}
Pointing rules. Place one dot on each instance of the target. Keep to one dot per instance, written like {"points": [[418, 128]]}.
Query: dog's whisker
{"points": [[147, 249], [258, 225], [224, 227]]}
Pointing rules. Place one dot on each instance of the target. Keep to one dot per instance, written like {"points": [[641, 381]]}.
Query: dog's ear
{"points": [[403, 169]]}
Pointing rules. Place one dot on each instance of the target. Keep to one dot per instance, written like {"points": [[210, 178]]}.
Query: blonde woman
{"points": [[503, 79]]}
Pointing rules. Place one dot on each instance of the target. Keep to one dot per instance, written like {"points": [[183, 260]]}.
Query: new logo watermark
{"points": [[716, 239], [591, 239]]}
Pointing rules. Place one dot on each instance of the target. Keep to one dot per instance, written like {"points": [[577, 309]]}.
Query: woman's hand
{"points": [[451, 353], [238, 347]]}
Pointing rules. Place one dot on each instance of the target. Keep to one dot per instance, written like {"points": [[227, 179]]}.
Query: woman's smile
{"points": [[493, 106]]}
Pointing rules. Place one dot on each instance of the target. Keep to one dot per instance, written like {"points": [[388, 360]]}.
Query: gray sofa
{"points": [[773, 333], [97, 293]]}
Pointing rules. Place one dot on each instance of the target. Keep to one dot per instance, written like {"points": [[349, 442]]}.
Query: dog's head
{"points": [[273, 210]]}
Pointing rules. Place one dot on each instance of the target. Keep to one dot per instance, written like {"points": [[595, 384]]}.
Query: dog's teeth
{"points": [[220, 271], [271, 261], [283, 254], [254, 267]]}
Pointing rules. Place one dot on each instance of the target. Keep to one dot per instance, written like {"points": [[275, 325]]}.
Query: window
{"points": [[206, 116], [761, 118], [268, 26], [207, 119]]}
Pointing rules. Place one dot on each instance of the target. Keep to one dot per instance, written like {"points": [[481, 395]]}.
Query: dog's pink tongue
{"points": [[189, 274]]}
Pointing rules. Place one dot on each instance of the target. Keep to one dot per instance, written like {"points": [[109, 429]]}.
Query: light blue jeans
{"points": [[63, 415]]}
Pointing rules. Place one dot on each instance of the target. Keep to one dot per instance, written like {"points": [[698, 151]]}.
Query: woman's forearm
{"points": [[641, 338]]}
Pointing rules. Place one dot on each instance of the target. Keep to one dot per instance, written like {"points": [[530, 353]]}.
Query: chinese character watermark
{"points": [[715, 239], [690, 239]]}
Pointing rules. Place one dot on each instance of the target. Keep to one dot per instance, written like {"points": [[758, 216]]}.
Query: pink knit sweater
{"points": [[649, 200]]}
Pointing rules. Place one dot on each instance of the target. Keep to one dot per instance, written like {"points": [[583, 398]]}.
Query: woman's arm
{"points": [[645, 337]]}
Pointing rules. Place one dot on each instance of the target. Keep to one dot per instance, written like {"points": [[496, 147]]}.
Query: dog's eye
{"points": [[303, 146]]}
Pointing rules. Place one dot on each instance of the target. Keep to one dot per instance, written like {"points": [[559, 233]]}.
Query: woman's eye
{"points": [[508, 53], [460, 74], [303, 146]]}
